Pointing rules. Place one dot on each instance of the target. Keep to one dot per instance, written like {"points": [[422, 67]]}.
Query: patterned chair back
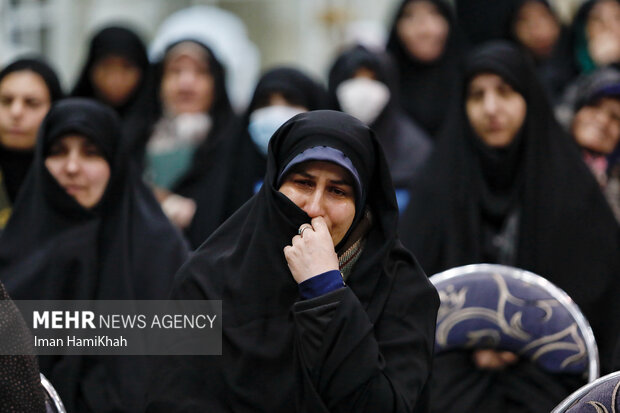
{"points": [[600, 396], [496, 306]]}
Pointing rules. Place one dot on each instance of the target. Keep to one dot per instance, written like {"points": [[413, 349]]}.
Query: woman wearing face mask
{"points": [[533, 25], [280, 94], [506, 186], [84, 228], [295, 337], [115, 73], [423, 42], [27, 89], [194, 128], [362, 84]]}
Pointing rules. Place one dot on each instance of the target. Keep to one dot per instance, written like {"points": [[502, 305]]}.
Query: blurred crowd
{"points": [[500, 126]]}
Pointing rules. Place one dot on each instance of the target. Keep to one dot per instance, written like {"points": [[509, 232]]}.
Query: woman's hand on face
{"points": [[311, 253]]}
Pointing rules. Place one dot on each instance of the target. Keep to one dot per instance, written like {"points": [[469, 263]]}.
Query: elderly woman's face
{"points": [[495, 110], [323, 189], [79, 167]]}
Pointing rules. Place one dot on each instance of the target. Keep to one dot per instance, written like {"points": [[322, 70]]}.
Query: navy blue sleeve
{"points": [[321, 284]]}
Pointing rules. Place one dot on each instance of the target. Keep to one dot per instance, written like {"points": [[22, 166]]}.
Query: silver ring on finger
{"points": [[302, 229]]}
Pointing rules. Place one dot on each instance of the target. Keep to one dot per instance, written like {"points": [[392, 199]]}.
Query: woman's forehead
{"points": [[326, 169]]}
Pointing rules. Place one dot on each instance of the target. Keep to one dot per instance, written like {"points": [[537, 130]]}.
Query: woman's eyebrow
{"points": [[304, 174], [340, 182]]}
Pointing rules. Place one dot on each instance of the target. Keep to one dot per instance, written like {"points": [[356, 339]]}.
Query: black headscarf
{"points": [[134, 112], [427, 88], [41, 68], [406, 146], [556, 70], [206, 178], [376, 334], [566, 231], [123, 248], [483, 20], [112, 41], [298, 89], [221, 111], [15, 163]]}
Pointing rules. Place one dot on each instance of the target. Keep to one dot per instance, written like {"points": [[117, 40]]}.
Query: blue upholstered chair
{"points": [[506, 308], [599, 396], [53, 404]]}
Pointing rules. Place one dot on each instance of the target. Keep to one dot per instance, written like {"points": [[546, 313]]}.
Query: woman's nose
{"points": [[490, 103], [72, 164], [314, 205], [17, 108]]}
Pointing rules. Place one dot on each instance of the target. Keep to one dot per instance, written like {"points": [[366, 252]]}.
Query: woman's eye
{"points": [[33, 103], [92, 150], [339, 192], [303, 182], [474, 95], [56, 150]]}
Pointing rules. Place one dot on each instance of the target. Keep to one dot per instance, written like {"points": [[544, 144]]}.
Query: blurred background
{"points": [[308, 33]]}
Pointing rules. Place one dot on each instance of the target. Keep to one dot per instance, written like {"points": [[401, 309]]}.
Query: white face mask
{"points": [[363, 98], [265, 121]]}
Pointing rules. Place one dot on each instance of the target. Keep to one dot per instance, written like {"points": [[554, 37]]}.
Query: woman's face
{"points": [[187, 83], [323, 189], [536, 28], [423, 30], [603, 32], [597, 127], [24, 102], [494, 109], [79, 167], [115, 78]]}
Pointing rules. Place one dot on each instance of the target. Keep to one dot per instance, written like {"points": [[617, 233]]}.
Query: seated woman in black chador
{"points": [[296, 338], [86, 227], [507, 186]]}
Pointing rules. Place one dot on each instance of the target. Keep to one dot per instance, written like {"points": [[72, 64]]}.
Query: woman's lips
{"points": [[73, 189]]}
